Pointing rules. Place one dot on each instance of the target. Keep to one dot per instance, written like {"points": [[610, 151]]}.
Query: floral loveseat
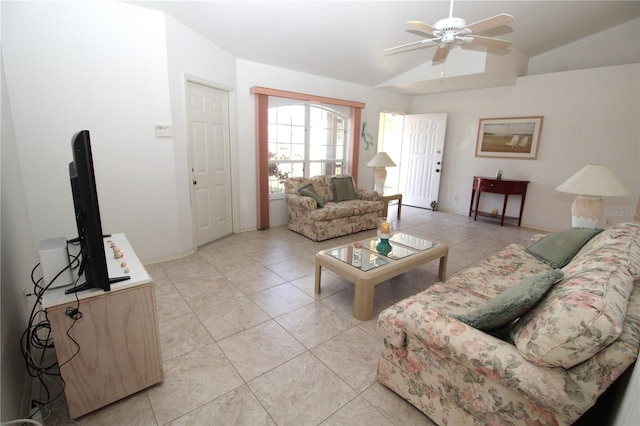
{"points": [[548, 367], [328, 211]]}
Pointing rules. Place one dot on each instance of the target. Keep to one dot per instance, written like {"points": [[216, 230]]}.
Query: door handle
{"points": [[195, 182]]}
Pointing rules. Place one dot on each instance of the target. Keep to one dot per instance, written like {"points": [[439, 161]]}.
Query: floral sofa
{"points": [[548, 367], [330, 212]]}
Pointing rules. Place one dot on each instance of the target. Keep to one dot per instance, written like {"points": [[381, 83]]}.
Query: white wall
{"points": [[18, 258], [100, 66], [254, 74], [590, 116], [615, 46], [118, 70], [191, 56]]}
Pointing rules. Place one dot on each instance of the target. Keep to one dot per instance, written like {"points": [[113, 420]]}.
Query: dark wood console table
{"points": [[497, 186]]}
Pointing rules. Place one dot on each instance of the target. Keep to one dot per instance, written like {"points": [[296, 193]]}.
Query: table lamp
{"points": [[380, 161], [591, 183]]}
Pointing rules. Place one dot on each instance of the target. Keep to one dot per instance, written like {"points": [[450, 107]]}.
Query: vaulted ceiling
{"points": [[345, 40]]}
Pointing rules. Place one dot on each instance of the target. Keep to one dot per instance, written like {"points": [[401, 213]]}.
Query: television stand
{"points": [[77, 288], [113, 350]]}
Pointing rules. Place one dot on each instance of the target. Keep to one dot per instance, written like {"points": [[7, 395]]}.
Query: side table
{"points": [[497, 186]]}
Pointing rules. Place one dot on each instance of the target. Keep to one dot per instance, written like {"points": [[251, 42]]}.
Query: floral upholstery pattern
{"points": [[619, 245], [508, 267], [464, 292], [459, 375], [586, 312], [577, 318], [344, 209], [599, 371], [334, 219]]}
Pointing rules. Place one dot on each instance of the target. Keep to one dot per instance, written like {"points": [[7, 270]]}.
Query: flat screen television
{"points": [[87, 211]]}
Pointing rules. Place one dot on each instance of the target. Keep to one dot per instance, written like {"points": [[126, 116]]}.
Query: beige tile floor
{"points": [[245, 341]]}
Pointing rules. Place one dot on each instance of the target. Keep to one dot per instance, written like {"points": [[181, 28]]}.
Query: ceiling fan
{"points": [[449, 31]]}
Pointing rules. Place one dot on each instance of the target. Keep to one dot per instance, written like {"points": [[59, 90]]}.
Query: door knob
{"points": [[195, 182], [437, 170]]}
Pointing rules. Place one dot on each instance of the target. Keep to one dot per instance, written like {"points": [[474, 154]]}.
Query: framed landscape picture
{"points": [[514, 137]]}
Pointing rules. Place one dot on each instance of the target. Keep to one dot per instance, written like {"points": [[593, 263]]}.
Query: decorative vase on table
{"points": [[385, 231]]}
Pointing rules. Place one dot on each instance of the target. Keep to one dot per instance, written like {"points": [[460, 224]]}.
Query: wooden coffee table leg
{"points": [[363, 300], [318, 272], [442, 271]]}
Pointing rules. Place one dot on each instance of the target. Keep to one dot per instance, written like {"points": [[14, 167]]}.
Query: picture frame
{"points": [[510, 137]]}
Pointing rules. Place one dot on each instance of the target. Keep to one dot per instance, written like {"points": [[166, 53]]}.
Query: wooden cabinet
{"points": [[107, 343], [497, 186]]}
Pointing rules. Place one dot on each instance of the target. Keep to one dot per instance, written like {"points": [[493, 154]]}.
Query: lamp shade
{"points": [[595, 180], [381, 159]]}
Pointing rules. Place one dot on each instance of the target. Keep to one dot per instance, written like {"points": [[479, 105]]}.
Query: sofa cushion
{"points": [[351, 208], [498, 272], [320, 186], [556, 250], [511, 303], [618, 245], [343, 189], [308, 191], [578, 317], [402, 317], [293, 184]]}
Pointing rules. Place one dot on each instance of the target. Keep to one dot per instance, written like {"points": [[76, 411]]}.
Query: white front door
{"points": [[209, 152], [421, 158]]}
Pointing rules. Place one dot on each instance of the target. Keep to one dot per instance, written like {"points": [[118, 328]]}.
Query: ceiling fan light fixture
{"points": [[449, 37], [450, 24]]}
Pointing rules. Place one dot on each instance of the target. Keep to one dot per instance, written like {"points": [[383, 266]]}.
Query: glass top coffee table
{"points": [[372, 268]]}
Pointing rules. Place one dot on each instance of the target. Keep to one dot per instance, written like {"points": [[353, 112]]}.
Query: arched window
{"points": [[349, 162], [305, 139]]}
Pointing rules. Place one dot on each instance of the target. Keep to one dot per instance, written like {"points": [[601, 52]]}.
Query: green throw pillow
{"points": [[343, 189], [512, 303], [308, 191], [556, 250]]}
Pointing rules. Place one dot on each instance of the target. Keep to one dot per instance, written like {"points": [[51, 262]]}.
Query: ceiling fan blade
{"points": [[489, 41], [441, 53], [420, 33], [422, 26], [413, 44], [487, 24]]}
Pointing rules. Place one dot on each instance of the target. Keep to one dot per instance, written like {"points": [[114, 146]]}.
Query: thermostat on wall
{"points": [[163, 131]]}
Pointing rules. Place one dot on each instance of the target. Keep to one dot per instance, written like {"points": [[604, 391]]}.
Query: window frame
{"points": [[261, 95], [340, 161]]}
